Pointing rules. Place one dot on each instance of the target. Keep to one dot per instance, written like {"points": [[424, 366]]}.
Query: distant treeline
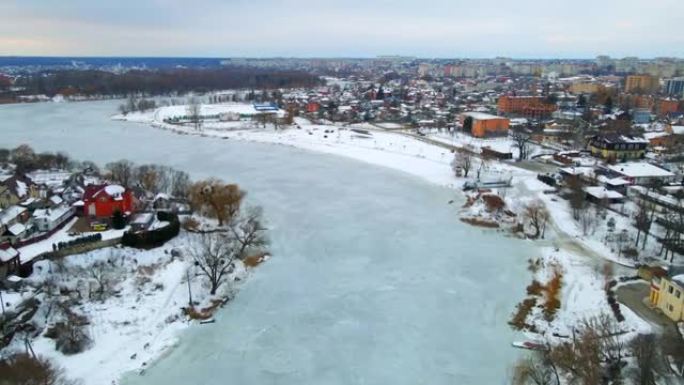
{"points": [[95, 82]]}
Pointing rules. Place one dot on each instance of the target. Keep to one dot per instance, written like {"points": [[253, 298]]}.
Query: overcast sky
{"points": [[336, 28]]}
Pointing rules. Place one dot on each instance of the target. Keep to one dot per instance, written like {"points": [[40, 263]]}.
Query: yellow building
{"points": [[667, 294], [584, 88], [7, 198], [618, 147], [641, 83]]}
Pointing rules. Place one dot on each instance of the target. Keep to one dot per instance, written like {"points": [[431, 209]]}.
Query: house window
{"points": [[678, 293], [670, 289], [670, 308]]}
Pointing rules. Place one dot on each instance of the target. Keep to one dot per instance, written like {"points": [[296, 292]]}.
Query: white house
{"points": [[49, 219]]}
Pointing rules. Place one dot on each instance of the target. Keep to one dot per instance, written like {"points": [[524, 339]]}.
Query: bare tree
{"points": [[643, 220], [463, 161], [121, 171], [648, 360], [521, 141], [194, 111], [104, 275], [538, 369], [249, 231], [537, 215], [577, 196], [214, 254], [180, 183], [148, 177]]}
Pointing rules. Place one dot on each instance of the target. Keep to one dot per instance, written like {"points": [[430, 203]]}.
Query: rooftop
{"points": [[640, 170], [482, 116]]}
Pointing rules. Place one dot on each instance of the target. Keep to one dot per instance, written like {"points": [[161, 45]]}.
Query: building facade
{"points": [[667, 295], [483, 125], [527, 106], [675, 87], [102, 201], [641, 83], [617, 147]]}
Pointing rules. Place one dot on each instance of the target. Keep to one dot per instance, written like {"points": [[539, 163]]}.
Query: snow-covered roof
{"points": [[578, 170], [640, 170], [114, 190], [16, 229], [617, 182], [55, 199], [51, 214], [602, 192], [481, 116], [653, 135], [678, 130], [8, 214], [7, 254]]}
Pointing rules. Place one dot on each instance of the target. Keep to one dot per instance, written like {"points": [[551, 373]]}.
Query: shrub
{"points": [[25, 369], [190, 224], [519, 319], [535, 288], [493, 202], [118, 220], [79, 241]]}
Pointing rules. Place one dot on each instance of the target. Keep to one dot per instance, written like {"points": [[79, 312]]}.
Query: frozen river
{"points": [[373, 281]]}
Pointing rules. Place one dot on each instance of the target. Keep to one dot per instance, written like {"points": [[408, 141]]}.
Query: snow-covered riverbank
{"points": [[135, 323], [584, 289]]}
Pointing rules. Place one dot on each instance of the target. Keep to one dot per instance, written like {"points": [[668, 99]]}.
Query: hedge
{"points": [[78, 241]]}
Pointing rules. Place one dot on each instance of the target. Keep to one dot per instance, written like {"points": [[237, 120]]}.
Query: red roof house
{"points": [[104, 200]]}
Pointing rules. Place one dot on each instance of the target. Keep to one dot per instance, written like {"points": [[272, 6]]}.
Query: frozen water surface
{"points": [[373, 281]]}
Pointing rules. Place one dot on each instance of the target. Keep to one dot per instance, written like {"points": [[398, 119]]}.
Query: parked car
{"points": [[98, 226]]}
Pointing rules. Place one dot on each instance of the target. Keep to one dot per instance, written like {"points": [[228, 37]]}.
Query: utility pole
{"points": [[187, 275], [2, 303]]}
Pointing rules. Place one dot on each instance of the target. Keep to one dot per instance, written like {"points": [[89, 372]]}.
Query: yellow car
{"points": [[98, 227]]}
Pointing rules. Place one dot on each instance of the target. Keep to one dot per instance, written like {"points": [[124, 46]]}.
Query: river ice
{"points": [[373, 281]]}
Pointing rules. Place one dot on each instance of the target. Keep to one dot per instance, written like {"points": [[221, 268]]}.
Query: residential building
{"points": [[102, 201], [641, 84], [9, 260], [675, 87], [51, 218], [640, 173], [618, 147], [584, 88], [666, 107], [527, 106], [667, 295], [482, 125], [641, 115]]}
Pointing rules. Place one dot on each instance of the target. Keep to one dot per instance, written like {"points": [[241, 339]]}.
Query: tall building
{"points": [[641, 83], [675, 87], [527, 106]]}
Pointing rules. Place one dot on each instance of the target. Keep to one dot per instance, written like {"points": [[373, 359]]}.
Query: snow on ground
{"points": [[582, 293], [582, 296], [424, 160], [33, 250], [134, 326]]}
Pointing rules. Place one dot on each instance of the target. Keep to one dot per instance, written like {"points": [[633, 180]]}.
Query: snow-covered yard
{"points": [[129, 328]]}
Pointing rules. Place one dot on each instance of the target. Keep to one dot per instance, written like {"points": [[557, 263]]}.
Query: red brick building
{"points": [[104, 200], [527, 106]]}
